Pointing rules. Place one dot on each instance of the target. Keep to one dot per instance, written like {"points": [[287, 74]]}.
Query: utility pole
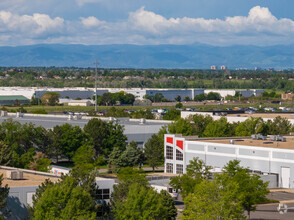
{"points": [[96, 86]]}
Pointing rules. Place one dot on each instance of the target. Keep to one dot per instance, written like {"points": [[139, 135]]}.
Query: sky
{"points": [[147, 22]]}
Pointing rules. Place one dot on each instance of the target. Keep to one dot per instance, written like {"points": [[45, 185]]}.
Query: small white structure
{"points": [[58, 170], [84, 102], [105, 188]]}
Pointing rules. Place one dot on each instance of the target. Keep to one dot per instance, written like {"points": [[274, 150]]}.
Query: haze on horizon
{"points": [[142, 22]]}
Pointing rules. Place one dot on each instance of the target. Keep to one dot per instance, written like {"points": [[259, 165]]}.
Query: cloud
{"points": [[259, 27], [91, 22], [36, 24], [258, 20]]}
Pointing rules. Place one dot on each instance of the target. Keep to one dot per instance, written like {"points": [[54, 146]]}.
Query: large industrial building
{"points": [[271, 156], [138, 130], [84, 93]]}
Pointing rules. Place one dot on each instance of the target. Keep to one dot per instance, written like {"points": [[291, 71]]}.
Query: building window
{"points": [[169, 168], [169, 153], [179, 155], [179, 169], [103, 194]]}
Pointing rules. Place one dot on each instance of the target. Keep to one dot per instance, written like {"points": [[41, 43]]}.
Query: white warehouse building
{"points": [[262, 155]]}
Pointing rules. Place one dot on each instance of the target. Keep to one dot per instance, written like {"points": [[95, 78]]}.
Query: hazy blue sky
{"points": [[216, 22]]}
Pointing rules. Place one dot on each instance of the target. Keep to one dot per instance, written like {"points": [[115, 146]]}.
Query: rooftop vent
{"points": [[14, 174], [258, 137], [277, 138], [19, 114], [142, 121], [3, 113], [112, 119]]}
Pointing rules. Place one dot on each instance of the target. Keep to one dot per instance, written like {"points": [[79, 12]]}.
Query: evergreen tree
{"points": [[154, 151], [5, 154], [4, 190]]}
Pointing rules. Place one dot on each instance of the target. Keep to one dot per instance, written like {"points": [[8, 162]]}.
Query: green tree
{"points": [[132, 156], [50, 98], [35, 101], [187, 99], [68, 139], [218, 128], [153, 151], [158, 97], [251, 126], [279, 126], [196, 172], [200, 123], [200, 97], [64, 200], [169, 204], [105, 136], [127, 176], [172, 115], [143, 113], [84, 158], [40, 162], [251, 189], [179, 105], [211, 200], [213, 96], [4, 190], [141, 203], [178, 98], [181, 126], [5, 154]]}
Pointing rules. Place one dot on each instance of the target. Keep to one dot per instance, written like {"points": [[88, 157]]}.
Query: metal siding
{"points": [[218, 149], [283, 155], [253, 152], [196, 147]]}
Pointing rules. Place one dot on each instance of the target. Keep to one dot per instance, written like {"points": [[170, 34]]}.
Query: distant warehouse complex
{"points": [[84, 93], [272, 157]]}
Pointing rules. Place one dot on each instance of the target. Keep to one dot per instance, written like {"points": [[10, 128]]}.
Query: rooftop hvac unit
{"points": [[142, 121], [3, 113], [19, 114], [277, 138], [258, 137], [14, 174]]}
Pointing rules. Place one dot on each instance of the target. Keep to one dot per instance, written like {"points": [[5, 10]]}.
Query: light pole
{"points": [[96, 86]]}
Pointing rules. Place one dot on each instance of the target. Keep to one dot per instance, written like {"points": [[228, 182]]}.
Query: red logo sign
{"points": [[170, 140], [180, 144]]}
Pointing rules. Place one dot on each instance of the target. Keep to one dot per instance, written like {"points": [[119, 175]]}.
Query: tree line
{"points": [[206, 126], [155, 78]]}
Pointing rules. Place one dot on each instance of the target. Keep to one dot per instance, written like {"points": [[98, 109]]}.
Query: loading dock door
{"points": [[285, 177]]}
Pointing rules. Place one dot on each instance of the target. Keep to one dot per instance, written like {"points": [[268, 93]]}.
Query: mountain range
{"points": [[196, 56]]}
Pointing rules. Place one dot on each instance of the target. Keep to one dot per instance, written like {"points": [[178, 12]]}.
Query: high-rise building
{"points": [[223, 67], [213, 67]]}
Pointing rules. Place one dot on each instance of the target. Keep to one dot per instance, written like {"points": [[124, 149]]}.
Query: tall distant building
{"points": [[223, 67], [213, 67]]}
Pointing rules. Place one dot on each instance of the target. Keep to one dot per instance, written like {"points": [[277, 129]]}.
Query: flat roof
{"points": [[288, 144], [13, 97], [49, 121], [29, 179], [264, 115]]}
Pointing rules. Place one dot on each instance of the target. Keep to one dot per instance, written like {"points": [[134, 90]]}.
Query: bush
{"points": [[39, 111]]}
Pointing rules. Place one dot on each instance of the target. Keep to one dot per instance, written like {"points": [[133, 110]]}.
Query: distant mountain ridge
{"points": [[198, 56]]}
